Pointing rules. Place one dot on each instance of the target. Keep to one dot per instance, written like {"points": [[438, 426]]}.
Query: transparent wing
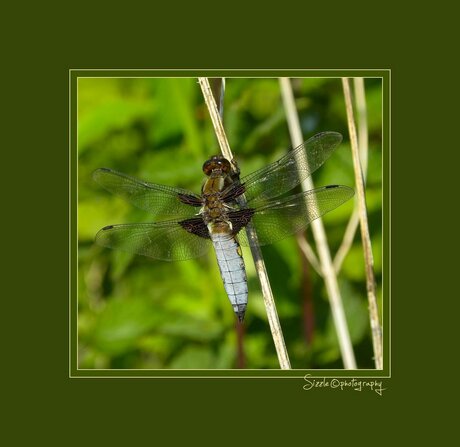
{"points": [[166, 241], [162, 201], [285, 174], [281, 218]]}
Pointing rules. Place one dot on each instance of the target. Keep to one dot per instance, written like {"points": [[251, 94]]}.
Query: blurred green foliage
{"points": [[135, 312]]}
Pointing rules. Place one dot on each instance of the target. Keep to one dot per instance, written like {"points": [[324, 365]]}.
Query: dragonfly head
{"points": [[217, 165]]}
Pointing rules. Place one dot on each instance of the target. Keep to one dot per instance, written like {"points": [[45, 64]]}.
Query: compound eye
{"points": [[207, 167], [216, 163], [225, 165]]}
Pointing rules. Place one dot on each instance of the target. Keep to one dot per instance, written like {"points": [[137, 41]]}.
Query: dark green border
{"points": [[74, 372], [73, 186]]}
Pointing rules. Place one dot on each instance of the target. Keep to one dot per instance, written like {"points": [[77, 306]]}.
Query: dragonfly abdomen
{"points": [[231, 265]]}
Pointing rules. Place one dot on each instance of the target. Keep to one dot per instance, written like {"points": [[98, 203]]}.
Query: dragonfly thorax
{"points": [[215, 208]]}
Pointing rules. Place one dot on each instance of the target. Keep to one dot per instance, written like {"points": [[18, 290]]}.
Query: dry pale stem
{"points": [[364, 226], [309, 254], [319, 234], [269, 300], [349, 235], [218, 91]]}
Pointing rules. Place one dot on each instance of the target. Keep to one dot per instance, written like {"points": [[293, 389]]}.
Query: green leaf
{"points": [[110, 116], [187, 327], [121, 324], [193, 357]]}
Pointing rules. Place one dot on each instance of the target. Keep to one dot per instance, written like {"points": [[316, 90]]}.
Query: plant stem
{"points": [[364, 226], [308, 310], [330, 278], [347, 242], [269, 300], [309, 254], [218, 91]]}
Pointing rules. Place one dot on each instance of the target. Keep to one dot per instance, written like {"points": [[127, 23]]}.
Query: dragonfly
{"points": [[185, 225]]}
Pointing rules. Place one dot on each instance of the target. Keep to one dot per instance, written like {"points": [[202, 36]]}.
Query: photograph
{"points": [[229, 223]]}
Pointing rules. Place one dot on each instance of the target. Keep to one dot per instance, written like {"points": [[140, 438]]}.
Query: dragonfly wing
{"points": [[285, 174], [281, 218], [167, 241], [162, 201]]}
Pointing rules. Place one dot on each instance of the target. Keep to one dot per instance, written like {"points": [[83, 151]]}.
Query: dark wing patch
{"points": [[240, 219], [195, 226], [190, 199], [233, 192]]}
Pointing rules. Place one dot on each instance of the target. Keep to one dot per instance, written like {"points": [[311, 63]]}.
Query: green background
{"points": [[42, 403], [137, 314]]}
